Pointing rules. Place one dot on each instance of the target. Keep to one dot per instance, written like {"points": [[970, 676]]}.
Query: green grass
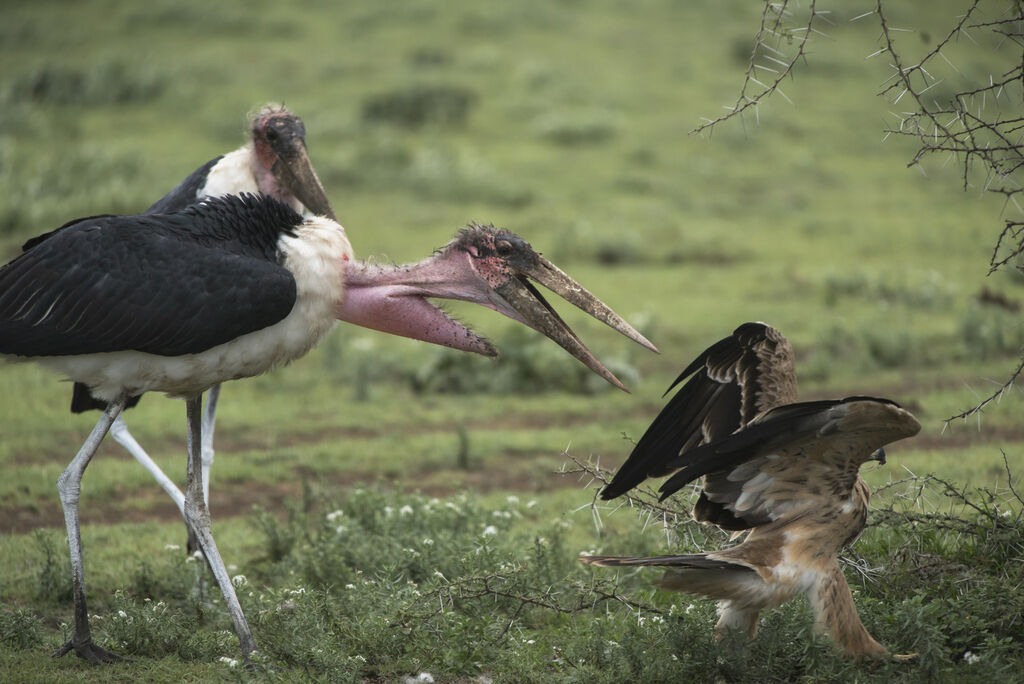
{"points": [[567, 123]]}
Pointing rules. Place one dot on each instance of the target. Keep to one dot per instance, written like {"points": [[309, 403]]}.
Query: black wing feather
{"points": [[150, 283], [778, 426], [187, 191], [721, 396]]}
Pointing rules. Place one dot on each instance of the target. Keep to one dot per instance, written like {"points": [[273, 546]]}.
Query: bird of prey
{"points": [[785, 471]]}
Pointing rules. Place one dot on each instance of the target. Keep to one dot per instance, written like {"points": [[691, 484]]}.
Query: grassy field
{"points": [[567, 122]]}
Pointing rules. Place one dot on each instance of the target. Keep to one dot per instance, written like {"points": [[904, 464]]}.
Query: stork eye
{"points": [[272, 135], [504, 248]]}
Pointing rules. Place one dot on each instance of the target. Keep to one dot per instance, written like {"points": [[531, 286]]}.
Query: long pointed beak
{"points": [[295, 170], [484, 266], [556, 280], [532, 309]]}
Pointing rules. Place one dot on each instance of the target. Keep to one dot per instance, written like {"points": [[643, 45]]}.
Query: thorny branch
{"points": [[767, 42], [992, 510], [978, 124], [501, 585]]}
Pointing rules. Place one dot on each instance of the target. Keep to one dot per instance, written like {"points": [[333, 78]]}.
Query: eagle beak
{"points": [[878, 455]]}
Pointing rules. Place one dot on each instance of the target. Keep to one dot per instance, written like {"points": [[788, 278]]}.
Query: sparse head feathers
{"points": [[276, 114]]}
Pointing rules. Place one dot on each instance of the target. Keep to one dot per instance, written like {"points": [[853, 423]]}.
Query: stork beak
{"points": [[485, 266], [527, 305], [294, 169]]}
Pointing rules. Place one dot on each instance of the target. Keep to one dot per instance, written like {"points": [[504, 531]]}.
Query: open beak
{"points": [[485, 266], [524, 303], [295, 171]]}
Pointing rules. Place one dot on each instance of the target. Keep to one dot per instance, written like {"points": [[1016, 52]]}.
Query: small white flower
{"points": [[428, 542], [298, 592], [529, 641], [239, 581], [232, 568], [230, 662], [340, 529], [674, 656], [388, 511], [512, 499], [121, 613], [490, 530], [613, 643], [357, 657], [171, 547], [405, 510], [971, 658], [334, 515], [531, 503], [689, 609], [350, 586]]}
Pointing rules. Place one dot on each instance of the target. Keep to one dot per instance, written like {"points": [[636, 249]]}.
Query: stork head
{"points": [[279, 141], [486, 266]]}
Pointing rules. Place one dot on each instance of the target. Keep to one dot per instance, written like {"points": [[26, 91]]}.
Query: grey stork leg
{"points": [[119, 431], [209, 418], [197, 515], [69, 485]]}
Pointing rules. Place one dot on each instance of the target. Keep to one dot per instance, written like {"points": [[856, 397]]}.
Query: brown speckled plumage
{"points": [[785, 471]]}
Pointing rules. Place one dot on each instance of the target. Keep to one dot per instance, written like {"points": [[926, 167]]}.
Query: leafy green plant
{"points": [[20, 629]]}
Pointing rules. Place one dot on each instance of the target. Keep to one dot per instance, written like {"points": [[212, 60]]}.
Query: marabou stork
{"points": [[230, 288], [275, 163]]}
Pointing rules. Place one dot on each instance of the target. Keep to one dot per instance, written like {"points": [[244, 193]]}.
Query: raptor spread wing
{"points": [[791, 456], [730, 383]]}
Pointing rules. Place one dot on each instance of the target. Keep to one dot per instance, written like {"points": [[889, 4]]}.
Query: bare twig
{"points": [[770, 38]]}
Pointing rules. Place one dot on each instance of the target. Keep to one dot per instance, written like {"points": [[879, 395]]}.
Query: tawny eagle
{"points": [[785, 471]]}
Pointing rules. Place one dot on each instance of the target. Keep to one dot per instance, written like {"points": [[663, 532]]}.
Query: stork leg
{"points": [[69, 485], [209, 419], [197, 515], [119, 431]]}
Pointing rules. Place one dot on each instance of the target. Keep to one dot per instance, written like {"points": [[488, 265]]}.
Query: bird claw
{"points": [[87, 650]]}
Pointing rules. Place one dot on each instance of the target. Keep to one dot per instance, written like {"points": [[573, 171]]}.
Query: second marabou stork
{"points": [[230, 288], [274, 162]]}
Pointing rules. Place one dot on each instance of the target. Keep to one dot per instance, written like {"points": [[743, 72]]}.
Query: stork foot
{"points": [[87, 650]]}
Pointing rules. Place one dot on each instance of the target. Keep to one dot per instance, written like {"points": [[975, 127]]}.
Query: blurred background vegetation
{"points": [[567, 122]]}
